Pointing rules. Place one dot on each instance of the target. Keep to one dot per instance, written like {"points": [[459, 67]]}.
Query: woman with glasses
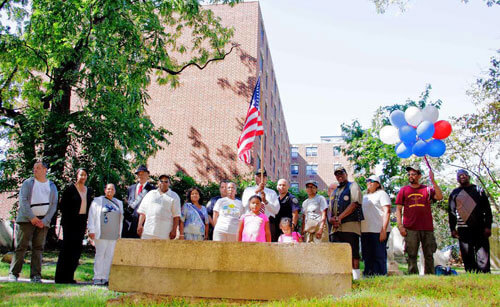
{"points": [[105, 227], [194, 218], [375, 228], [227, 212]]}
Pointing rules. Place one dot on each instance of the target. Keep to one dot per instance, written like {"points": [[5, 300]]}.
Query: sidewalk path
{"points": [[45, 281]]}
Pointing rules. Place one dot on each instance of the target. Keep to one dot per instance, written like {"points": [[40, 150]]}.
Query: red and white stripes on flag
{"points": [[252, 127]]}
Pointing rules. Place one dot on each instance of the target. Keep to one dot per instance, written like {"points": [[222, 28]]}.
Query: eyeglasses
{"points": [[310, 186], [339, 173]]}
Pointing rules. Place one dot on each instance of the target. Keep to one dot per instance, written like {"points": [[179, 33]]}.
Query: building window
{"points": [[262, 32], [274, 166], [294, 186], [261, 63], [312, 169], [295, 152], [336, 151], [312, 151], [294, 169]]}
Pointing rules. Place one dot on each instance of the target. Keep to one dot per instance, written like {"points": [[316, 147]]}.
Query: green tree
{"points": [[383, 5], [475, 142], [74, 74]]}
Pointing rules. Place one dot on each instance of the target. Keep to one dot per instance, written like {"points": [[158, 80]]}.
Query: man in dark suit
{"points": [[135, 194]]}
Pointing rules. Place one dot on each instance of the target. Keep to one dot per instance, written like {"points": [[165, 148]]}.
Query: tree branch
{"points": [[4, 2], [172, 72]]}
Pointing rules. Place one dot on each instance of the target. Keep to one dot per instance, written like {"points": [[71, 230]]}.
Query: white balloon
{"points": [[413, 116], [389, 135], [430, 113]]}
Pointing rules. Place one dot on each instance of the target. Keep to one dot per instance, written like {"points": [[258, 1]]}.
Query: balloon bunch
{"points": [[417, 132]]}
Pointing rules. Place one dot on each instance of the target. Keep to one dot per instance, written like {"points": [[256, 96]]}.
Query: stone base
{"points": [[258, 271]]}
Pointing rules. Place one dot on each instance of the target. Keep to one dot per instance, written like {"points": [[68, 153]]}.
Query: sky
{"points": [[339, 60]]}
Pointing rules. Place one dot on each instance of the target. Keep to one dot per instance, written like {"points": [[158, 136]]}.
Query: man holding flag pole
{"points": [[253, 127]]}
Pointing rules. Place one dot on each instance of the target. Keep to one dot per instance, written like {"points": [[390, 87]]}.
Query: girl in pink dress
{"points": [[254, 225], [288, 236]]}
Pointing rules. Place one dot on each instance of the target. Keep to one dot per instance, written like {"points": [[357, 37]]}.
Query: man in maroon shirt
{"points": [[416, 225]]}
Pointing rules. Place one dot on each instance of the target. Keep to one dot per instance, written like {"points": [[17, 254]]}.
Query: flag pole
{"points": [[262, 139]]}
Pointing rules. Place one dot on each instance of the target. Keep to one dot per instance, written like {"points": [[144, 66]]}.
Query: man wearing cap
{"points": [[289, 207], [135, 194], [416, 225], [314, 217], [270, 202], [345, 216], [159, 213], [470, 219]]}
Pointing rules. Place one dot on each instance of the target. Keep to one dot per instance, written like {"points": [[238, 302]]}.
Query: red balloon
{"points": [[442, 129]]}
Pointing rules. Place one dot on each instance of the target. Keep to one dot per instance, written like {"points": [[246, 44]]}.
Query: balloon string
{"points": [[427, 162]]}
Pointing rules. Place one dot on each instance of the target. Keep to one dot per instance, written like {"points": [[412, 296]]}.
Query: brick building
{"points": [[206, 112], [316, 161]]}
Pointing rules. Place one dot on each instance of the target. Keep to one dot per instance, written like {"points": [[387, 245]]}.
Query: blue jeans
{"points": [[374, 254]]}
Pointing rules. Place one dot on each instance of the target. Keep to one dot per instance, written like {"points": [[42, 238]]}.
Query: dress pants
{"points": [[25, 234], [475, 250], [71, 250], [104, 250]]}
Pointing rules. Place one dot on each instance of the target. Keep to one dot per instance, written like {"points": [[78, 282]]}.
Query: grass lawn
{"points": [[461, 290], [84, 272]]}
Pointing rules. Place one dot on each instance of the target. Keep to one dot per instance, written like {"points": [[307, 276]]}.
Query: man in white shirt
{"points": [[270, 200], [159, 213], [37, 205]]}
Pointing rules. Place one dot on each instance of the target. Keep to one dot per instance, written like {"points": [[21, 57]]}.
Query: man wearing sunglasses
{"points": [[345, 216], [416, 223], [159, 213]]}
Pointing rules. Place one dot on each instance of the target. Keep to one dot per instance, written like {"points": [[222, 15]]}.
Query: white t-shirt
{"points": [[230, 211], [373, 211], [160, 210], [313, 207], [40, 195]]}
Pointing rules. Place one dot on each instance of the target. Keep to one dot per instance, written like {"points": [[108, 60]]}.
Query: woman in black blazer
{"points": [[74, 207]]}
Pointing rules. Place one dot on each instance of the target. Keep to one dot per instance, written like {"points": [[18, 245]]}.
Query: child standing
{"points": [[288, 236], [254, 225]]}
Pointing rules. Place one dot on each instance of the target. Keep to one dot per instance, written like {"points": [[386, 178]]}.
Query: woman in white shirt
{"points": [[375, 228], [105, 226], [227, 212]]}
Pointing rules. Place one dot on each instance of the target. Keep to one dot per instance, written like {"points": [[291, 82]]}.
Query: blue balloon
{"points": [[436, 148], [420, 148], [403, 151], [397, 118], [425, 130], [407, 134]]}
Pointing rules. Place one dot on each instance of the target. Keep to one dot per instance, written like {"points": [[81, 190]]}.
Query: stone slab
{"points": [[233, 270]]}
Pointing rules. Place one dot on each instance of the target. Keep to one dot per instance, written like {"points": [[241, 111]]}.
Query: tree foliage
{"points": [[475, 142], [74, 77], [383, 5]]}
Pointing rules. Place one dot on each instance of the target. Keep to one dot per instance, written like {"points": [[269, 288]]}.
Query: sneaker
{"points": [[36, 279], [98, 282], [12, 278]]}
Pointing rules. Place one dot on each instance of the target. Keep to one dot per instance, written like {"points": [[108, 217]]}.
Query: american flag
{"points": [[252, 128]]}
